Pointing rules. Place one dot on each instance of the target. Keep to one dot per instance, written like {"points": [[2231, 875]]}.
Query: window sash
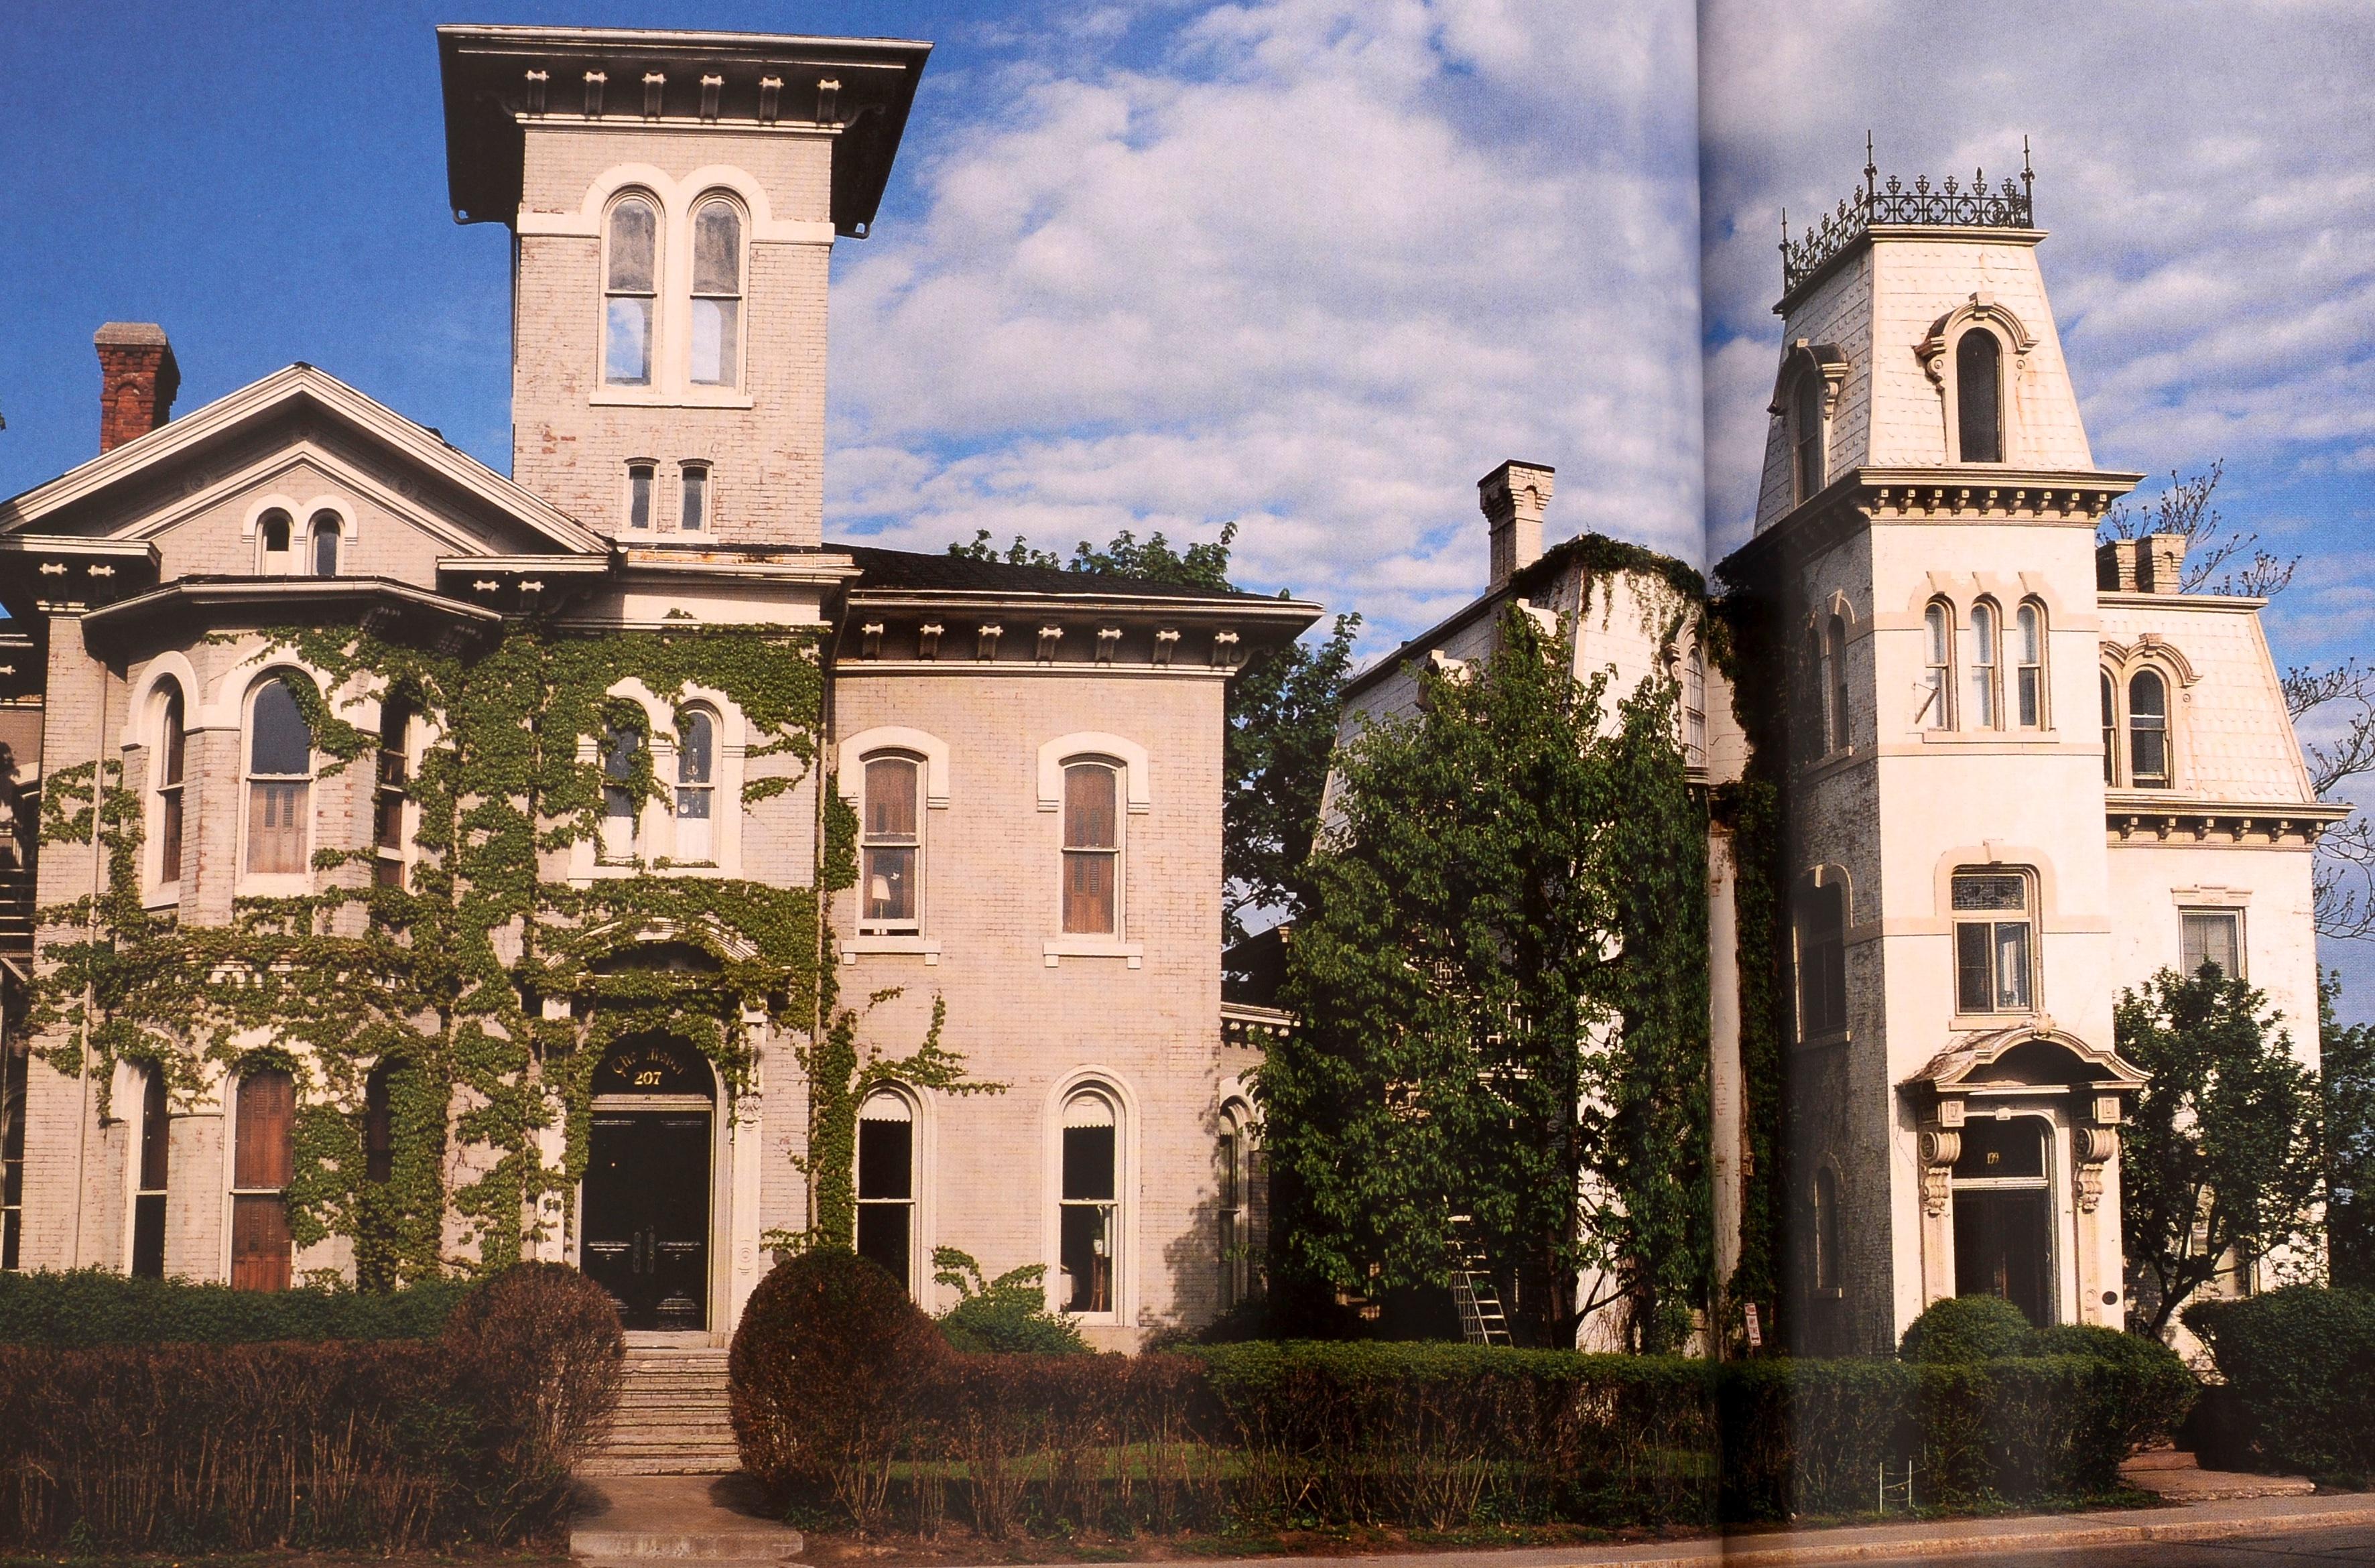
{"points": [[639, 495], [168, 833], [696, 841], [277, 820], [1992, 966], [890, 885], [2213, 937], [1089, 892], [1983, 666], [693, 516]]}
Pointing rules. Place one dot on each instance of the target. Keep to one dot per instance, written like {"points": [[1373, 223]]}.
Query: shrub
{"points": [[1967, 1328], [545, 1354], [2157, 1392], [1005, 1315], [2299, 1364], [92, 1306], [384, 1445], [828, 1372]]}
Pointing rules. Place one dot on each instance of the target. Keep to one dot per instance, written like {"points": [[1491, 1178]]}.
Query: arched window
{"points": [[379, 1128], [1806, 432], [639, 495], [1979, 396], [1695, 709], [1235, 1206], [2029, 637], [886, 1185], [327, 536], [2147, 730], [630, 287], [2110, 733], [1089, 1226], [1092, 849], [148, 1198], [1817, 733], [621, 801], [1828, 1248], [14, 1065], [392, 789], [1983, 665], [263, 1155], [279, 781], [272, 531], [692, 514], [1938, 671], [893, 845], [717, 293], [1823, 960], [696, 791], [1835, 644], [173, 756]]}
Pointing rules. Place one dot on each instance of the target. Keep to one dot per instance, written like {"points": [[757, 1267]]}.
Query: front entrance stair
{"points": [[2178, 1476], [677, 1522], [673, 1417]]}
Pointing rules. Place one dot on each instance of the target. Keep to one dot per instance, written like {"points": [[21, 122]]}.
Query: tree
{"points": [[1282, 719], [1497, 986], [2224, 1161], [2348, 1072]]}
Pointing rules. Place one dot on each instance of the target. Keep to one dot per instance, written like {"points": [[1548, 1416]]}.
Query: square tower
{"points": [[674, 197]]}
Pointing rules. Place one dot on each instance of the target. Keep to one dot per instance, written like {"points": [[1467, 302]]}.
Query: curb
{"points": [[1872, 1543]]}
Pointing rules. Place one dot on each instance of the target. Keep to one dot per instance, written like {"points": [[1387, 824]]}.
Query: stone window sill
{"points": [[1059, 948], [927, 947], [638, 398]]}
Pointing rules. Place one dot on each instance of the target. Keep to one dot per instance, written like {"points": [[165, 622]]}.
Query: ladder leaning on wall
{"points": [[1482, 1322]]}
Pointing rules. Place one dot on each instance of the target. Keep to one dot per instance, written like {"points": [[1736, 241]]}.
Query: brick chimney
{"points": [[137, 379], [2153, 564], [1513, 498]]}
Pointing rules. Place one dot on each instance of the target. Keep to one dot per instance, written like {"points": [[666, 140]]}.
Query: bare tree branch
{"points": [[2218, 559]]}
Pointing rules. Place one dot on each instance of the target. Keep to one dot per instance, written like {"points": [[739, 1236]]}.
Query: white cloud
{"points": [[1317, 269]]}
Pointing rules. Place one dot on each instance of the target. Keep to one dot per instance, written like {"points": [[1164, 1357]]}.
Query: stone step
{"points": [[2162, 1459], [686, 1394]]}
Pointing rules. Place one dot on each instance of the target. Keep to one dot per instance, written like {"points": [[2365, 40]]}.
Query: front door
{"points": [[646, 1215]]}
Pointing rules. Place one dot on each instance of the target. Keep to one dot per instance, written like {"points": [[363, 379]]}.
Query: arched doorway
{"points": [[645, 1220], [2003, 1214]]}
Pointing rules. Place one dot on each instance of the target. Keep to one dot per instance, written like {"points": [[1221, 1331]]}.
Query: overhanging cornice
{"points": [[380, 604]]}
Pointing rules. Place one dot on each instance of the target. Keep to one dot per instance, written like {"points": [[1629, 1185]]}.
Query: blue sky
{"points": [[1311, 264]]}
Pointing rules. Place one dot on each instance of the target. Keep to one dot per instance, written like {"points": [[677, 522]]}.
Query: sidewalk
{"points": [[1961, 1539]]}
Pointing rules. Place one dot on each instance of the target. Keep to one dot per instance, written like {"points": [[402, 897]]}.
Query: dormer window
{"points": [[717, 293], [1979, 396], [2148, 730], [1806, 431], [630, 287]]}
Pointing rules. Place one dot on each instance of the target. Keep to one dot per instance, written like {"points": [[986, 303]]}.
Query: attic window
{"points": [[326, 538], [272, 544]]}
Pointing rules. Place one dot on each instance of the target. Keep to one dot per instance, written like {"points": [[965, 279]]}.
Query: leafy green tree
{"points": [[1501, 977], [2223, 1160], [2347, 1074], [1282, 709]]}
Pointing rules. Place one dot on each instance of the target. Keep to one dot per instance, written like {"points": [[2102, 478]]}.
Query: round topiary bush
{"points": [[830, 1370], [1967, 1328], [538, 1351]]}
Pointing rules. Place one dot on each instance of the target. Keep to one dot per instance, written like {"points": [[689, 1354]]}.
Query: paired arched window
{"points": [[273, 532], [168, 769], [1823, 960], [886, 1184], [1235, 1205], [1983, 710], [891, 845], [2028, 637], [716, 292], [148, 1196], [1979, 396], [279, 781], [630, 291], [621, 801], [329, 535], [1088, 1227], [263, 1152], [1806, 432], [1938, 666], [696, 788], [1092, 868]]}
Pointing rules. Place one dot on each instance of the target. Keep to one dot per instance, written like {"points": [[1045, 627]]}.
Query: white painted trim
{"points": [[1115, 1088], [1056, 948], [854, 751], [1093, 743]]}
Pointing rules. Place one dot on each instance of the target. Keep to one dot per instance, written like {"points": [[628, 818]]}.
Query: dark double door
{"points": [[646, 1215]]}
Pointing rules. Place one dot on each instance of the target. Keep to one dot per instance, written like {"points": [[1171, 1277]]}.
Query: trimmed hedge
{"points": [[380, 1444], [2299, 1365], [1423, 1436], [92, 1306]]}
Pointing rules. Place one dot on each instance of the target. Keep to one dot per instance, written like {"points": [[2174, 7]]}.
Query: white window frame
{"points": [[849, 778], [912, 1107], [2231, 913], [655, 322], [2029, 915], [650, 470], [1232, 1205], [1134, 796], [1985, 665], [2032, 707], [679, 838], [655, 817], [707, 483], [275, 884], [733, 202], [1123, 1228], [166, 673], [265, 564], [1938, 664], [914, 925]]}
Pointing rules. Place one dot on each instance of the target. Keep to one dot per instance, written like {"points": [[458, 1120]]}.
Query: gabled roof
{"points": [[299, 388]]}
